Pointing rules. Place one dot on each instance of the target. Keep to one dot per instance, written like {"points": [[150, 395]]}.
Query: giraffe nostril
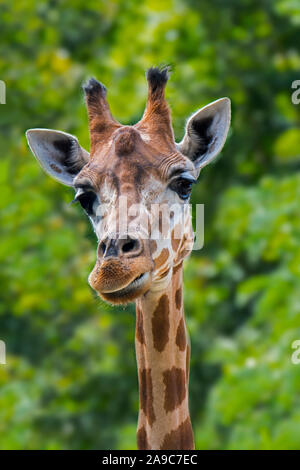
{"points": [[114, 247]]}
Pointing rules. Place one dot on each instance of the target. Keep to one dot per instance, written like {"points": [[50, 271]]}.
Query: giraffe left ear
{"points": [[58, 153], [206, 132]]}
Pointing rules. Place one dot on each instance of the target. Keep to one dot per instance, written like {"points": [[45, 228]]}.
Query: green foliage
{"points": [[70, 379]]}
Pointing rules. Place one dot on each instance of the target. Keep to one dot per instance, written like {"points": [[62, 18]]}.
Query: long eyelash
{"points": [[185, 179], [188, 178]]}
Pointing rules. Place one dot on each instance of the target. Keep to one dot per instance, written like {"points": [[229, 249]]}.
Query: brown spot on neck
{"points": [[161, 324], [162, 258], [177, 267], [175, 391], [181, 335], [146, 394], [178, 298], [140, 335], [181, 438], [142, 440]]}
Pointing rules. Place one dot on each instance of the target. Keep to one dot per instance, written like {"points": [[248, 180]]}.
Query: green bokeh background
{"points": [[70, 380]]}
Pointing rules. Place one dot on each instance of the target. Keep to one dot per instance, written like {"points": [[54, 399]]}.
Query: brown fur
{"points": [[139, 326], [176, 268], [181, 336], [157, 119], [146, 395], [175, 240], [179, 439], [101, 122], [142, 441], [178, 298], [175, 391], [162, 258], [161, 324], [125, 141]]}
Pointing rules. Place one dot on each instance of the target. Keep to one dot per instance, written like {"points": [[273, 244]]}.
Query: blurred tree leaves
{"points": [[70, 379]]}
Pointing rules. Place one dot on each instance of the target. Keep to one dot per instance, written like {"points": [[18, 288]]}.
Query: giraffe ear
{"points": [[206, 132], [59, 153]]}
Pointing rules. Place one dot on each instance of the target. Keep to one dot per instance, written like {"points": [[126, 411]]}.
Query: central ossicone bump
{"points": [[125, 141]]}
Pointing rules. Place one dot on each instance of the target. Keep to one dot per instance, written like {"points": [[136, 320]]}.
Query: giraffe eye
{"points": [[183, 187], [86, 201]]}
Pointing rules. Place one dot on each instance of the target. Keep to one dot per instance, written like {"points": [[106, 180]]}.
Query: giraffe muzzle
{"points": [[123, 278]]}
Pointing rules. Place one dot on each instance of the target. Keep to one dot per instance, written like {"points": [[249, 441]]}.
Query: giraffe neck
{"points": [[163, 352]]}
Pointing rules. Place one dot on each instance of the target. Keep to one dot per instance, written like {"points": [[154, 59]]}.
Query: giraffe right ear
{"points": [[206, 132], [59, 153]]}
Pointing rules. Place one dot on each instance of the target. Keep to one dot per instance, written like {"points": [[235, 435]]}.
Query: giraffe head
{"points": [[135, 184]]}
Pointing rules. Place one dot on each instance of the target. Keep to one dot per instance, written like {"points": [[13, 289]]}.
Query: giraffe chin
{"points": [[136, 288]]}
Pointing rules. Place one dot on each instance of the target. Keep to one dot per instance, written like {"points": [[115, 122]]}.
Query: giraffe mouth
{"points": [[130, 292], [135, 284]]}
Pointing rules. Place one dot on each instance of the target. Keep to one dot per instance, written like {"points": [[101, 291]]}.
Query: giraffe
{"points": [[142, 166]]}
